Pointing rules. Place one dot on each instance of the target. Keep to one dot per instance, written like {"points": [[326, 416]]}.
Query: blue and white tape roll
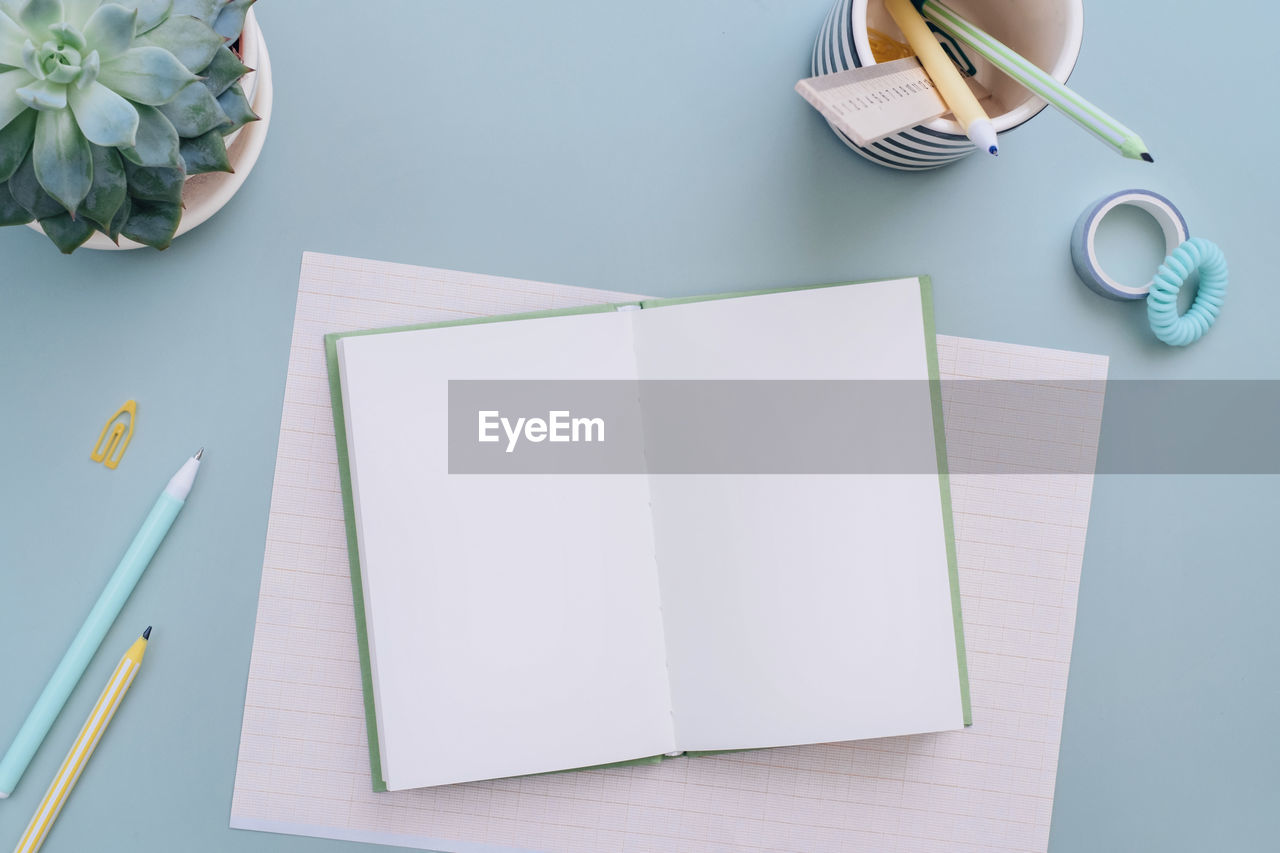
{"points": [[1084, 253]]}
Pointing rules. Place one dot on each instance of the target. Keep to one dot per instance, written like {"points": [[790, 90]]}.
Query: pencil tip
{"points": [[146, 635], [995, 152], [199, 454], [1148, 157]]}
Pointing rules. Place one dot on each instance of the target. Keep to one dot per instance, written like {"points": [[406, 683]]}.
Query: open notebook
{"points": [[303, 765], [518, 624]]}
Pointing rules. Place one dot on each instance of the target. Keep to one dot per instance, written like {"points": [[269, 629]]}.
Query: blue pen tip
{"points": [[994, 151]]}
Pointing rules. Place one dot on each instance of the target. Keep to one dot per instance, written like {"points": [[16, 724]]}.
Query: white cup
{"points": [[1047, 32]]}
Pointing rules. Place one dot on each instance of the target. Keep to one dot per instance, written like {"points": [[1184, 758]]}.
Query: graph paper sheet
{"points": [[304, 766]]}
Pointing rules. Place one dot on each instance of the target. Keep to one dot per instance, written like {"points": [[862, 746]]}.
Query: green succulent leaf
{"points": [[12, 38], [224, 69], [104, 117], [148, 75], [230, 22], [192, 41], [63, 162], [77, 12], [109, 187], [11, 212], [157, 143], [205, 10], [67, 35], [195, 112], [153, 224], [44, 95], [154, 183], [67, 234], [38, 15], [206, 153], [151, 13], [11, 105], [64, 73], [118, 221], [110, 30], [15, 143], [89, 70], [236, 106], [29, 61], [28, 192]]}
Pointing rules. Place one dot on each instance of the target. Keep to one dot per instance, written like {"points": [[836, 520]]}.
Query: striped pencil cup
{"points": [[1048, 33], [73, 765]]}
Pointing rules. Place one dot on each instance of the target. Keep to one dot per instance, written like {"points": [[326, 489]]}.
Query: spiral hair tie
{"points": [[1194, 254]]}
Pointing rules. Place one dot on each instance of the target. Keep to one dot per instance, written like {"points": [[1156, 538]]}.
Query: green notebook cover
{"points": [[348, 507]]}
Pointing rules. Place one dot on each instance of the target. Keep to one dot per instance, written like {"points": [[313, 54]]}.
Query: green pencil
{"points": [[1037, 80]]}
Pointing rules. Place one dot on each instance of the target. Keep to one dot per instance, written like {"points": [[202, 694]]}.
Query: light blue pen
{"points": [[95, 627]]}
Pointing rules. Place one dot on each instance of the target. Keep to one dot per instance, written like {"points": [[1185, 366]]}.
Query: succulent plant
{"points": [[107, 107]]}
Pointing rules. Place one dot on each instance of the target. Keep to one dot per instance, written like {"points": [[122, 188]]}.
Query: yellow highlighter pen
{"points": [[955, 92], [86, 742]]}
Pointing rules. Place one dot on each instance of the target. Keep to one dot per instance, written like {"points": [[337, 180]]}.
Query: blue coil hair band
{"points": [[1194, 254]]}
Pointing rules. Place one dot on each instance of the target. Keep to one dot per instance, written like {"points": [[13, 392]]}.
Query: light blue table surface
{"points": [[654, 148]]}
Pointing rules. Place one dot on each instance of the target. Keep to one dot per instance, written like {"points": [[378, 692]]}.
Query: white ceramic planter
{"points": [[204, 195]]}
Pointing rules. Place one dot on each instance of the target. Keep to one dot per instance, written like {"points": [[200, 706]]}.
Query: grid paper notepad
{"points": [[303, 765]]}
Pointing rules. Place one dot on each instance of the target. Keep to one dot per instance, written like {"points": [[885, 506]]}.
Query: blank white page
{"points": [[513, 621], [803, 608]]}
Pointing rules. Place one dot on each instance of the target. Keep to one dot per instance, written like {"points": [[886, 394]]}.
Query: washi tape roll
{"points": [[1084, 254]]}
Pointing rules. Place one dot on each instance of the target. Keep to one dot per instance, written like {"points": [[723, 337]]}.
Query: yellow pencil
{"points": [[955, 92], [87, 741]]}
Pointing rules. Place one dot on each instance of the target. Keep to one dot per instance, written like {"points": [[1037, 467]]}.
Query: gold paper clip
{"points": [[116, 434]]}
